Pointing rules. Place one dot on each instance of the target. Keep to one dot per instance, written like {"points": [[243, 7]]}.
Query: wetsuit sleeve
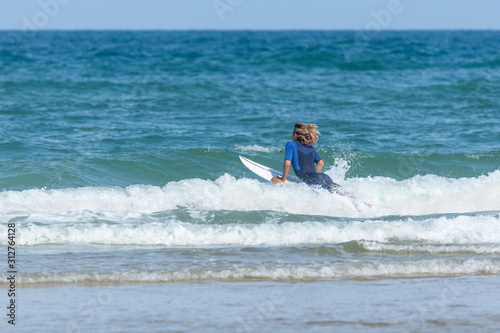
{"points": [[317, 158], [291, 154]]}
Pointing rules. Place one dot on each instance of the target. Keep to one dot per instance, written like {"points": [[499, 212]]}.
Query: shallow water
{"points": [[458, 304]]}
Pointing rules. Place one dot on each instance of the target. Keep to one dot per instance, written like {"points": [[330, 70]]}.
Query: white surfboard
{"points": [[266, 172]]}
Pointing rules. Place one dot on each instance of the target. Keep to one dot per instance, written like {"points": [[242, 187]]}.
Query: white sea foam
{"points": [[480, 234], [258, 149], [420, 195], [344, 270], [484, 248]]}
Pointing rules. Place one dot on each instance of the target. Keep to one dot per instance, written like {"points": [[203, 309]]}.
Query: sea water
{"points": [[119, 171]]}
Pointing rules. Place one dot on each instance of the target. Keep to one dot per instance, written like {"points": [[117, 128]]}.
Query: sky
{"points": [[249, 14]]}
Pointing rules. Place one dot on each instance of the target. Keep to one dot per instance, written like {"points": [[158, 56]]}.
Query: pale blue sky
{"points": [[249, 14]]}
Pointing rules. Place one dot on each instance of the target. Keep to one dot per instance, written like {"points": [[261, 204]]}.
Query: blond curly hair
{"points": [[307, 134]]}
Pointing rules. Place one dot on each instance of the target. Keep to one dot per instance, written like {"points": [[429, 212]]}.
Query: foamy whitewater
{"points": [[119, 171], [419, 195], [384, 219]]}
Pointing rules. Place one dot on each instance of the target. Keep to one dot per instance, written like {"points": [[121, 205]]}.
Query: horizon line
{"points": [[252, 29]]}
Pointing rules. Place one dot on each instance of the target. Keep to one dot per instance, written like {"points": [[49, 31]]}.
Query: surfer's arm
{"points": [[286, 169], [319, 166]]}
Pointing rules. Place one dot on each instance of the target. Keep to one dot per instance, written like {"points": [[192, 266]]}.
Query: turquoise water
{"points": [[119, 161], [121, 108]]}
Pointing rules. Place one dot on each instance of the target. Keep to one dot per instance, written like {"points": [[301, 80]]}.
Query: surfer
{"points": [[305, 160]]}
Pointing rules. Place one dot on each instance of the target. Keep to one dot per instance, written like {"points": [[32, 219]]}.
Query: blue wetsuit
{"points": [[304, 159]]}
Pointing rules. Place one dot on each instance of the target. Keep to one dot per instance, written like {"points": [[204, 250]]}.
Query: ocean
{"points": [[124, 205]]}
